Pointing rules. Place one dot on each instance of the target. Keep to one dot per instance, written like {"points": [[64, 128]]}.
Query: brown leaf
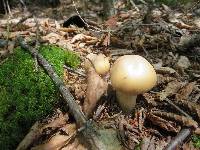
{"points": [[68, 29], [116, 42], [170, 89], [184, 121], [52, 38], [182, 25], [164, 124], [83, 38], [61, 141], [111, 23], [163, 79], [96, 87], [56, 121], [192, 107], [184, 92]]}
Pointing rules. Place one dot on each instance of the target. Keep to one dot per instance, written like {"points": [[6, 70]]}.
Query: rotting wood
{"points": [[90, 131]]}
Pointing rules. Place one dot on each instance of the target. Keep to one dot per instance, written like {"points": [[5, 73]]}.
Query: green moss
{"points": [[196, 141], [71, 59], [26, 95], [68, 57]]}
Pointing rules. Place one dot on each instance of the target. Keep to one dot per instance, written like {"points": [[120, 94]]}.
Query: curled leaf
{"points": [[96, 87]]}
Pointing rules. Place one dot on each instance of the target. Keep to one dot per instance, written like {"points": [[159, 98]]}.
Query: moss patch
{"points": [[68, 57], [26, 95], [196, 141]]}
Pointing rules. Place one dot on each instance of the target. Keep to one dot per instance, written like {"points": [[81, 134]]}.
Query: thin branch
{"points": [[79, 72], [179, 139], [79, 14], [177, 108], [134, 6]]}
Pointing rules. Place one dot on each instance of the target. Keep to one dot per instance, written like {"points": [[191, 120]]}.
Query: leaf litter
{"points": [[155, 121]]}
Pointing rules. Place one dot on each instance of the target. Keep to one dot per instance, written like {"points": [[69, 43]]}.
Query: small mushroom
{"points": [[131, 75], [100, 62]]}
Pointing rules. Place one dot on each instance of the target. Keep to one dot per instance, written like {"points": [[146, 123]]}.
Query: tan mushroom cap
{"points": [[132, 74], [101, 64]]}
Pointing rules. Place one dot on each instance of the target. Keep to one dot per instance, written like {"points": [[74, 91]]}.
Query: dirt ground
{"points": [[168, 38]]}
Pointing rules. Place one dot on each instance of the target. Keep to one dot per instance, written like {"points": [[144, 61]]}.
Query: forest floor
{"points": [[167, 37]]}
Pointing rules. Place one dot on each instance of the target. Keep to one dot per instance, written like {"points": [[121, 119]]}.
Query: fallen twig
{"points": [[179, 139], [79, 72]]}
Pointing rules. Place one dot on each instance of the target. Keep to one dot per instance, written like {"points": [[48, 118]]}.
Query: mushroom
{"points": [[131, 75], [100, 63]]}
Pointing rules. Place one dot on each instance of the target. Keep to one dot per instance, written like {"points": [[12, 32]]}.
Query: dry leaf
{"points": [[162, 79], [52, 38], [111, 23], [193, 108], [148, 143], [56, 121], [184, 121], [116, 42], [83, 38], [62, 141], [96, 87], [170, 89], [184, 92], [182, 25], [164, 124]]}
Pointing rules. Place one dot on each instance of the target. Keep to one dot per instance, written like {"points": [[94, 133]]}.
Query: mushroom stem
{"points": [[126, 101]]}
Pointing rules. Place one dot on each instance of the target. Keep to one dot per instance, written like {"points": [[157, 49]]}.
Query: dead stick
{"points": [[179, 139], [79, 72]]}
